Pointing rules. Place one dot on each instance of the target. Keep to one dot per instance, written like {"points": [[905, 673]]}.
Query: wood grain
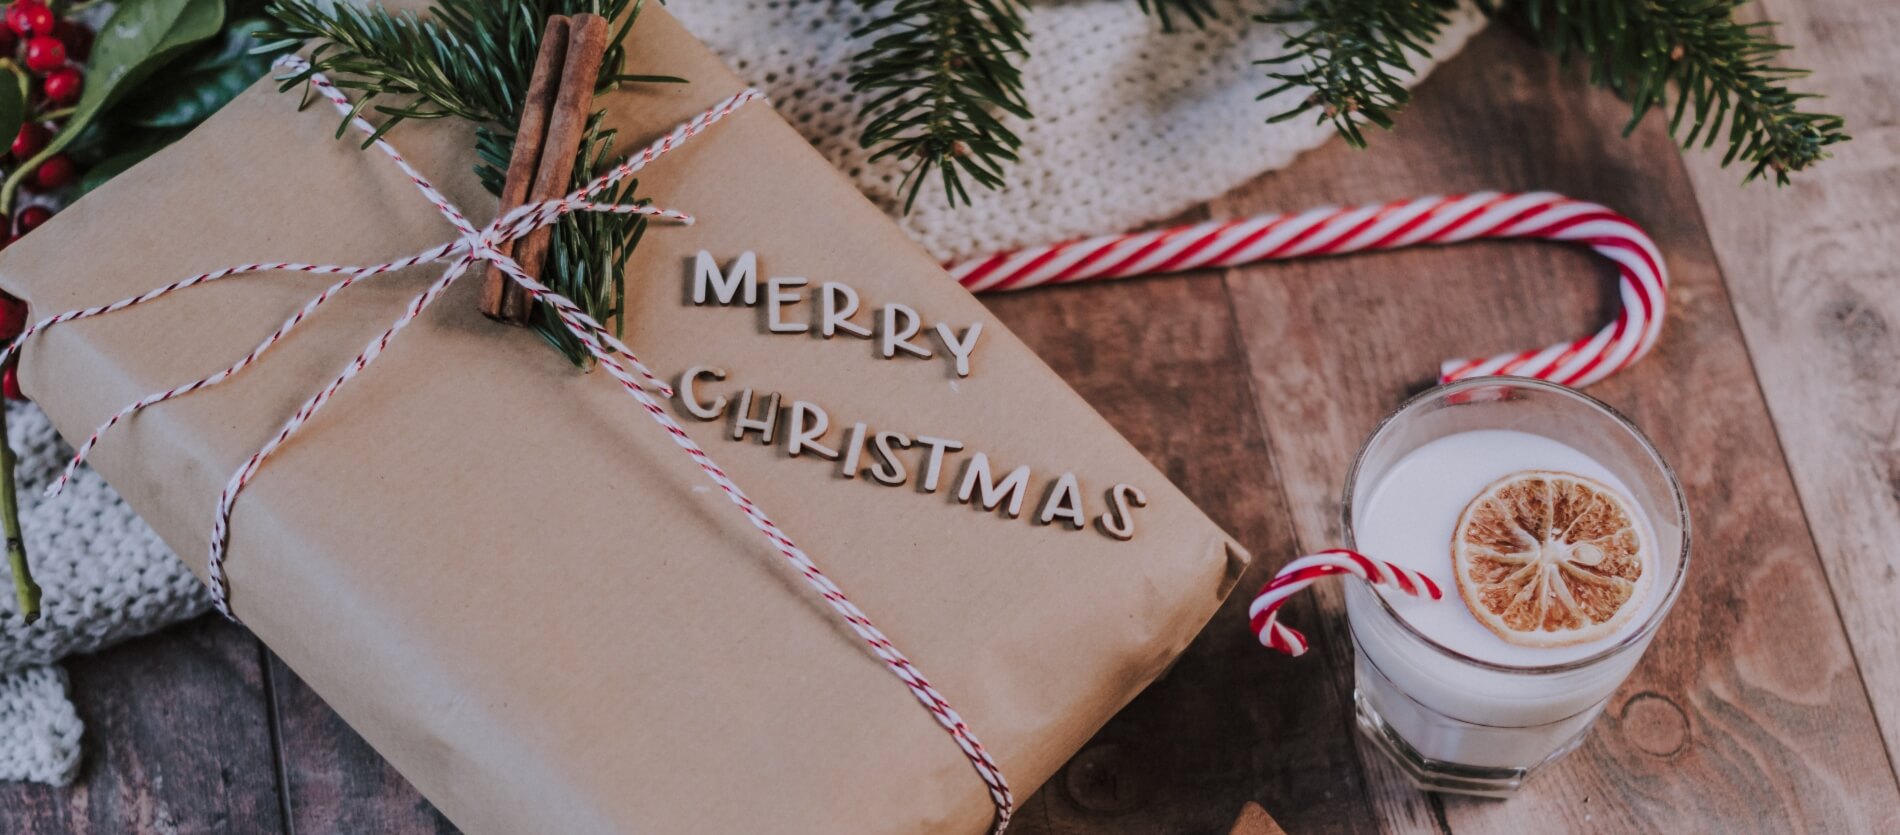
{"points": [[1747, 714], [1810, 268], [332, 780], [177, 741], [1230, 723], [1252, 389]]}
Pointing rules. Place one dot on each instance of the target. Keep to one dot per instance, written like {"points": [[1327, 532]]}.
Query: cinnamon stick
{"points": [[586, 47], [530, 135]]}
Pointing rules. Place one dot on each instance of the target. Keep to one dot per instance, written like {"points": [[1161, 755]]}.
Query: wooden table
{"points": [[1769, 702]]}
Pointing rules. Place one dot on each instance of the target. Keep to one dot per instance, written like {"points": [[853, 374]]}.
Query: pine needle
{"points": [[471, 59], [934, 78]]}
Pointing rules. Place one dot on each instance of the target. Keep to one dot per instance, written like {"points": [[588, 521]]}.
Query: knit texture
{"points": [[39, 731], [1132, 125], [105, 576]]}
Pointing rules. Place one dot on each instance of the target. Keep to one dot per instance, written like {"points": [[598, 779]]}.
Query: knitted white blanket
{"points": [[1131, 125]]}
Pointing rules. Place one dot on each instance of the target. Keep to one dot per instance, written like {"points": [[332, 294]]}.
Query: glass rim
{"points": [[1636, 636]]}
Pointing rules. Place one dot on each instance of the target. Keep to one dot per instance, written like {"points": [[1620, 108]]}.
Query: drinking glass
{"points": [[1456, 723]]}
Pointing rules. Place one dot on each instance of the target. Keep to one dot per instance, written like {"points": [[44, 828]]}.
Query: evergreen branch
{"points": [[1355, 55], [472, 59], [934, 78], [1723, 70], [1198, 12]]}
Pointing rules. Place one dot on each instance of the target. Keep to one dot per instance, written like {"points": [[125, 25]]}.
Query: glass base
{"points": [[1436, 775]]}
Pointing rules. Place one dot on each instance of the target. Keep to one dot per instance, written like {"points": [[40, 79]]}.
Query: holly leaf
{"points": [[190, 93], [140, 37], [12, 109]]}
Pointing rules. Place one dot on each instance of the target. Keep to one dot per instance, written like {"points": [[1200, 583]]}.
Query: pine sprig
{"points": [[937, 75], [472, 59], [1723, 72], [1355, 55], [1197, 12]]}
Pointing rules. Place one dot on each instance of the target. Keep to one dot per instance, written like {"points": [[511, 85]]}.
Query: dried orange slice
{"points": [[1549, 559]]}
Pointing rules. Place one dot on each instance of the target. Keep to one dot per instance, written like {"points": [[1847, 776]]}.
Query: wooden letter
{"points": [[743, 421], [1064, 501], [889, 469], [690, 399], [776, 299], [1119, 522], [808, 424], [853, 448], [933, 464], [1013, 486], [895, 337], [742, 281], [960, 349], [838, 303]]}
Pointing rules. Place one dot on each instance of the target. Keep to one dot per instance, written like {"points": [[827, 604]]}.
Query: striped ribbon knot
{"points": [[487, 245]]}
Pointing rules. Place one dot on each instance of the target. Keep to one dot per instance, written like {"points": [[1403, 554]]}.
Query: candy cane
{"points": [[1264, 614], [1335, 231]]}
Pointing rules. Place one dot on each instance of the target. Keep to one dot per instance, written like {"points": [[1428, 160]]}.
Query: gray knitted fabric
{"points": [[1131, 125], [105, 576], [39, 732]]}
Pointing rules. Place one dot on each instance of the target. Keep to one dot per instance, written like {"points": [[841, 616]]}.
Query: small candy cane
{"points": [[1264, 614]]}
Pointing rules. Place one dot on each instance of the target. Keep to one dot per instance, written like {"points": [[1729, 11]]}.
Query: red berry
{"points": [[56, 171], [62, 86], [10, 384], [28, 16], [29, 141], [76, 37], [9, 42], [12, 316], [32, 216], [44, 53]]}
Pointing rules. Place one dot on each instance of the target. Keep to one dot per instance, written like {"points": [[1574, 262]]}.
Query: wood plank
{"points": [[1230, 724], [176, 741], [333, 780], [1810, 268], [1748, 713]]}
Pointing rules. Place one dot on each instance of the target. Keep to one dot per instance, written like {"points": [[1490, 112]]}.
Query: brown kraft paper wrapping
{"points": [[513, 584]]}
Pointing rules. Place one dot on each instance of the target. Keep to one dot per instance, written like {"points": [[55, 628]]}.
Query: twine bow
{"points": [[487, 245]]}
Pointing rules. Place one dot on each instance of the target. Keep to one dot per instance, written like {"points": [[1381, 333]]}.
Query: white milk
{"points": [[1444, 708]]}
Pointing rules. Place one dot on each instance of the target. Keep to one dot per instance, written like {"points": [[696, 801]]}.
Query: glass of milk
{"points": [[1458, 707]]}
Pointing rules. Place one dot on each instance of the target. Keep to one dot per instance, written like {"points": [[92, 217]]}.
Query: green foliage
{"points": [[174, 98], [1723, 73], [941, 71], [935, 78], [1355, 55], [12, 104], [472, 59], [1198, 12], [200, 83], [140, 37]]}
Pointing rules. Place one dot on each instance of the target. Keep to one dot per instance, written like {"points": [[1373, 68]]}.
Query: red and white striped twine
{"points": [[1264, 614], [485, 245], [1336, 231]]}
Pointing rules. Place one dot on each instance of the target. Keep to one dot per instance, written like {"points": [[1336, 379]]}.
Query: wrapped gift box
{"points": [[518, 589]]}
